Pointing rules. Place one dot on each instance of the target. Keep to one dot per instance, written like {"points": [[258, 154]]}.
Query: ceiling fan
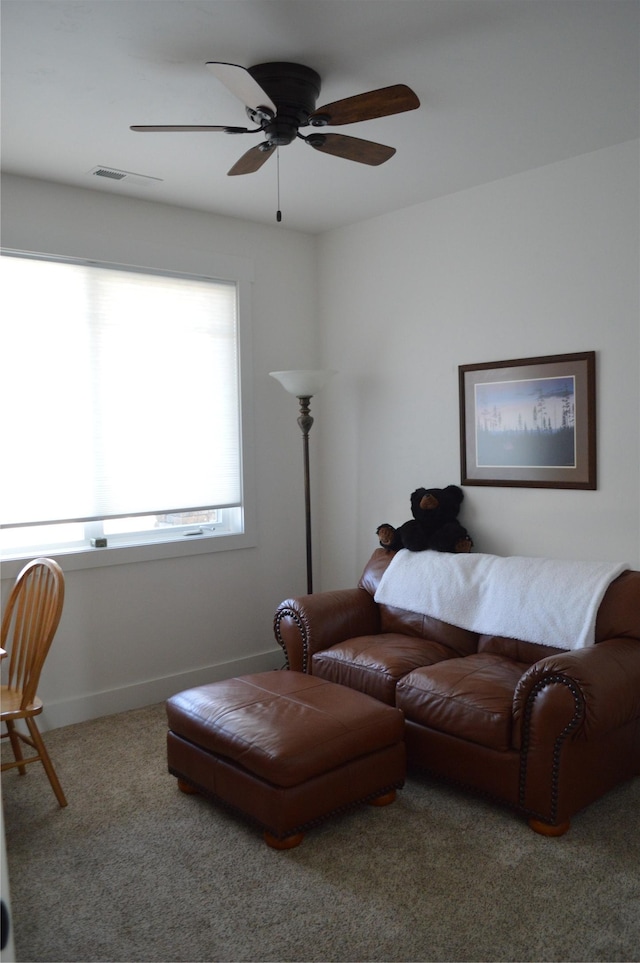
{"points": [[281, 97]]}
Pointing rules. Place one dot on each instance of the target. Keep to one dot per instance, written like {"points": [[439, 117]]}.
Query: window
{"points": [[121, 397]]}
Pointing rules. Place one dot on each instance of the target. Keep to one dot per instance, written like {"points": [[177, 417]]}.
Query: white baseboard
{"points": [[95, 704]]}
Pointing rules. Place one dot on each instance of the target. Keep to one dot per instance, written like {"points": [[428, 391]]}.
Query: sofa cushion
{"points": [[458, 641], [374, 663], [470, 698], [515, 649], [395, 621]]}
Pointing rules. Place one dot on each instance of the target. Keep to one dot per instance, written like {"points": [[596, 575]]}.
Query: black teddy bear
{"points": [[434, 524]]}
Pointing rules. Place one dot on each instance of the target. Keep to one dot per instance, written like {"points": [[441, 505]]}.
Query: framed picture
{"points": [[529, 423]]}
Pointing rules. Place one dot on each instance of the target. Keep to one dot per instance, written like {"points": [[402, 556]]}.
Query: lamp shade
{"points": [[304, 383]]}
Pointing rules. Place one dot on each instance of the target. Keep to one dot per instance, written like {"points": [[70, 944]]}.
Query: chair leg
{"points": [[46, 761], [14, 739]]}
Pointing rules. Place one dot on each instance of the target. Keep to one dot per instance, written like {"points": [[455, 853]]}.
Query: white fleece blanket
{"points": [[542, 600]]}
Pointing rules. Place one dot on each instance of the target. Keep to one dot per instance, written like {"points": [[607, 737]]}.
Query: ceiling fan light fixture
{"points": [[260, 115]]}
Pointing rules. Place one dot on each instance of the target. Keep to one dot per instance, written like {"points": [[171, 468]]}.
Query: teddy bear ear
{"points": [[454, 492]]}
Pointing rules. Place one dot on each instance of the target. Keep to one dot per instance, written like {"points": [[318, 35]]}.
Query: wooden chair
{"points": [[29, 624]]}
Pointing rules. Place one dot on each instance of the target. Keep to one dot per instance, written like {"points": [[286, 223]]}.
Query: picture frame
{"points": [[529, 422]]}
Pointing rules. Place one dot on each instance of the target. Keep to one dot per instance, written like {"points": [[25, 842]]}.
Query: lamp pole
{"points": [[305, 421], [304, 384]]}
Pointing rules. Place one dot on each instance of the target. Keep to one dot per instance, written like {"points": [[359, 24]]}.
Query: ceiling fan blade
{"points": [[375, 103], [190, 128], [251, 161], [242, 85], [351, 148]]}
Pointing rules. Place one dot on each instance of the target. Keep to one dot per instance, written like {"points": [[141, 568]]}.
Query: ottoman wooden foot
{"points": [[546, 829], [385, 800], [289, 842], [187, 788]]}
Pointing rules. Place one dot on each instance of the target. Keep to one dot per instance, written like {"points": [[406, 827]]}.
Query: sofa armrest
{"points": [[311, 623], [576, 726], [603, 681]]}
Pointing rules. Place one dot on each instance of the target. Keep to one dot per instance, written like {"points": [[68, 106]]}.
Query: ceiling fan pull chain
{"points": [[279, 213]]}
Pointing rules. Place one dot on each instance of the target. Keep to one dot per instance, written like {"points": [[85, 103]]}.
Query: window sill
{"points": [[76, 559]]}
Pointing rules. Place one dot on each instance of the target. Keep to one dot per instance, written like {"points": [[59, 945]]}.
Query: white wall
{"points": [[543, 263], [135, 633]]}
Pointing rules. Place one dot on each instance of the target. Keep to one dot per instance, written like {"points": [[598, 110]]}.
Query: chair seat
{"points": [[11, 702]]}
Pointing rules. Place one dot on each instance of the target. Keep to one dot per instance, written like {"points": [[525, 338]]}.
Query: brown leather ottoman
{"points": [[286, 749]]}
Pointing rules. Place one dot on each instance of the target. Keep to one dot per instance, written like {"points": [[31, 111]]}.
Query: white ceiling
{"points": [[505, 86]]}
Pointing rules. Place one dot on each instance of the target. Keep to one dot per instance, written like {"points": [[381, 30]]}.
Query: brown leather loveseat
{"points": [[544, 730]]}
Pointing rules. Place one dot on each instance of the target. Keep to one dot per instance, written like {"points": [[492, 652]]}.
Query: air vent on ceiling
{"points": [[103, 172], [113, 174]]}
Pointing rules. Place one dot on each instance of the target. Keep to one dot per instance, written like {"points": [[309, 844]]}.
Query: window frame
{"points": [[172, 543]]}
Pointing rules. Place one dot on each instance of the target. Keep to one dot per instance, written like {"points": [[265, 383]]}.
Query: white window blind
{"points": [[119, 391]]}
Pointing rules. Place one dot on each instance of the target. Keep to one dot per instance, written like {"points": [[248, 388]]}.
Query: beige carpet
{"points": [[134, 870]]}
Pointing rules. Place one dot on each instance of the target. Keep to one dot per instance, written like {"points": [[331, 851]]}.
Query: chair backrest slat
{"points": [[29, 623]]}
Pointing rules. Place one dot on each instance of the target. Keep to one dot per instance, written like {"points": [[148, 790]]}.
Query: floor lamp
{"points": [[304, 384]]}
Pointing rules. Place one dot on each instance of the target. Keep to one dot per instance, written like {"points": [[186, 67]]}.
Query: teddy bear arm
{"points": [[389, 537]]}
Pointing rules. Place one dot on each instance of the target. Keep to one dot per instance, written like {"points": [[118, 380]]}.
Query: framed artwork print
{"points": [[529, 423]]}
